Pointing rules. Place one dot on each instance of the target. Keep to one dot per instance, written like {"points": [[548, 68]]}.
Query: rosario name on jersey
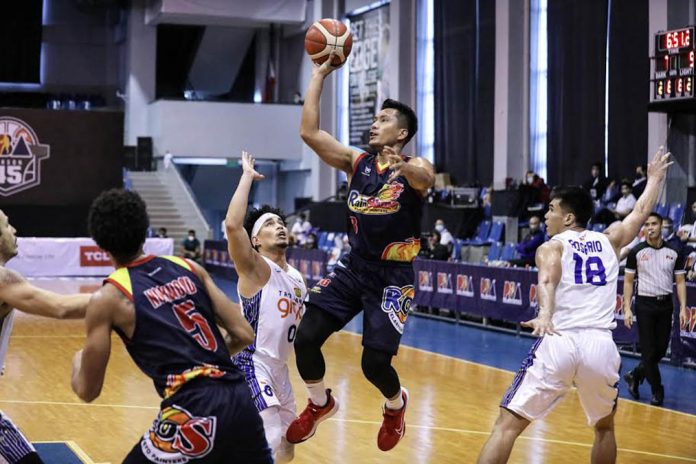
{"points": [[586, 294]]}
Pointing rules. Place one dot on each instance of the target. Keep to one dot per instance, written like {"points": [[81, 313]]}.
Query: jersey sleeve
{"points": [[631, 263], [680, 264]]}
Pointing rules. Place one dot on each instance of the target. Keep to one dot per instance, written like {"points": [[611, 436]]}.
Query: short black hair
{"points": [[118, 222], [163, 229], [597, 165], [191, 231], [575, 200], [657, 216], [627, 184], [407, 117], [255, 213]]}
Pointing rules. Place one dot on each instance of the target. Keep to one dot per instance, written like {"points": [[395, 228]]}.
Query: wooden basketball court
{"points": [[453, 405]]}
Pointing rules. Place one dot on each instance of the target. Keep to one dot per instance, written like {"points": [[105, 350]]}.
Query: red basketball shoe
{"points": [[393, 426], [306, 424]]}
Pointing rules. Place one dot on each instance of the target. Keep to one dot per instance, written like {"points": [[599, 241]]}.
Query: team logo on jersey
{"points": [[402, 251], [444, 283], [487, 289], [177, 436], [20, 156], [298, 292], [512, 293], [465, 285], [425, 281], [382, 203], [533, 298], [690, 330], [396, 302]]}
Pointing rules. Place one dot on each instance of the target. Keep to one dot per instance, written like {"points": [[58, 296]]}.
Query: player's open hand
{"points": [[396, 163], [657, 168], [684, 319], [248, 162], [541, 326], [326, 67]]}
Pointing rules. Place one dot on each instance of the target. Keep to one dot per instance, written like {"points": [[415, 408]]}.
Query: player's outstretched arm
{"points": [[253, 271], [20, 294], [330, 150], [621, 233], [89, 364], [548, 260], [228, 313]]}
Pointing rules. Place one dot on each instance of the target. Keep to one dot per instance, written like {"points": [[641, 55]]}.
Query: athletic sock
{"points": [[317, 393], [396, 404]]}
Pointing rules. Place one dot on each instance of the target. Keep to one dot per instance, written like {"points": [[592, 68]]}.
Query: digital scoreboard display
{"points": [[673, 77]]}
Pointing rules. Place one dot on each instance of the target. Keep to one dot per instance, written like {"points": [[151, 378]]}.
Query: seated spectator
{"points": [[301, 228], [626, 203], [639, 182], [690, 239], [446, 237], [311, 242], [597, 183], [191, 246], [162, 232], [529, 244], [435, 250], [671, 238], [533, 180]]}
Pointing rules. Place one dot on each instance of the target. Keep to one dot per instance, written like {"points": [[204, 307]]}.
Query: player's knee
{"points": [[374, 364]]}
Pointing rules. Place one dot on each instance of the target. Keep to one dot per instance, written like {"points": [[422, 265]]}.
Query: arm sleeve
{"points": [[680, 264], [631, 264]]}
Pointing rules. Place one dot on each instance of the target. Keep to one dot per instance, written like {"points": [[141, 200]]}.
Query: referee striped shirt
{"points": [[655, 268]]}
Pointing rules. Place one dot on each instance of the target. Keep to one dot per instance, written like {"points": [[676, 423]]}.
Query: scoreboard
{"points": [[673, 77]]}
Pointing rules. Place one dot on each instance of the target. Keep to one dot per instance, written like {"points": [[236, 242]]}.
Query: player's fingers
{"points": [[526, 324]]}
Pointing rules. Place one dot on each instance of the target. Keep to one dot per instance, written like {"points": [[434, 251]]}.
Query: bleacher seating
{"points": [[509, 252], [598, 227], [481, 234], [662, 209], [676, 212], [495, 251]]}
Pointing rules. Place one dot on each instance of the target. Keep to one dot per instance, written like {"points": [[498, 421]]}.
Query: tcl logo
{"points": [[93, 256]]}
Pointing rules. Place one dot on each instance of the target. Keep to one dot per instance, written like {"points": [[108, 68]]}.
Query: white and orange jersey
{"points": [[275, 312]]}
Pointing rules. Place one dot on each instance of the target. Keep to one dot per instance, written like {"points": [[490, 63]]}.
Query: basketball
{"points": [[326, 35]]}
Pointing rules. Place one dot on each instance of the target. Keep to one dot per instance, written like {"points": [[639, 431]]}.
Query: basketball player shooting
{"points": [[385, 201], [578, 272]]}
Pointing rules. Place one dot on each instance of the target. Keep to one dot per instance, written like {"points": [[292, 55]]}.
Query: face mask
{"points": [[191, 237], [530, 179], [439, 227], [666, 232]]}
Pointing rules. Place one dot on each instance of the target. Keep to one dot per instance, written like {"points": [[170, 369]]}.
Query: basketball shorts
{"points": [[269, 382], [383, 290], [207, 421], [585, 358], [14, 446]]}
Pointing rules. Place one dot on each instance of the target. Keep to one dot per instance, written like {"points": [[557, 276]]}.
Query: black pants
{"points": [[654, 329]]}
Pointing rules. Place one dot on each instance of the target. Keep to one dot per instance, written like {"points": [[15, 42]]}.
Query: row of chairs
{"points": [[328, 240], [675, 211]]}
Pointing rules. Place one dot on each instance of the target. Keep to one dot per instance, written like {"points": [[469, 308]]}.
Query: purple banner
{"points": [[510, 294], [310, 263]]}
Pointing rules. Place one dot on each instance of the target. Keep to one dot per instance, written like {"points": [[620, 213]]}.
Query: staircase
{"points": [[170, 204]]}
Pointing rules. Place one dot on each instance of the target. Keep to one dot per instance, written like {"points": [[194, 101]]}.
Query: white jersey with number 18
{"points": [[586, 294]]}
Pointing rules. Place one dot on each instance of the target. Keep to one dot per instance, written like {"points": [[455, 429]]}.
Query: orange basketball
{"points": [[326, 35]]}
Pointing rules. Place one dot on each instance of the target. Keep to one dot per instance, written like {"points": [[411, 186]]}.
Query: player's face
{"points": [[555, 218], [273, 233], [8, 238], [385, 129], [653, 227]]}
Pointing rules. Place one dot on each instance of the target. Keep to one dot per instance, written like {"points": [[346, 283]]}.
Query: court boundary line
{"points": [[466, 361]]}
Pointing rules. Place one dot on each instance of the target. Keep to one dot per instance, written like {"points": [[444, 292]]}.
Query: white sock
{"points": [[396, 404], [317, 393]]}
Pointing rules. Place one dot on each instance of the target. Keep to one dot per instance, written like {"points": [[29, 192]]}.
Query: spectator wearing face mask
{"points": [[191, 246], [671, 238], [446, 238], [529, 244], [311, 242], [639, 182]]}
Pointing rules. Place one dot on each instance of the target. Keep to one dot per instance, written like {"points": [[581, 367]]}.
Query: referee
{"points": [[657, 264]]}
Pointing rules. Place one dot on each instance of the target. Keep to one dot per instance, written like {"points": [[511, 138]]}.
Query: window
{"points": [[538, 88], [425, 80]]}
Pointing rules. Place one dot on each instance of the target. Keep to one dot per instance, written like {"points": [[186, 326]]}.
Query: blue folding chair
{"points": [[598, 227], [676, 212], [509, 252], [481, 234], [495, 251], [662, 209]]}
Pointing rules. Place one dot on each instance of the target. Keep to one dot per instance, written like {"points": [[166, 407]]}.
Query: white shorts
{"points": [[270, 385], [586, 358]]}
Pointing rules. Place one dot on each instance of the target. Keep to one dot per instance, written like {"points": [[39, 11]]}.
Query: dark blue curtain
{"points": [[464, 89], [576, 88]]}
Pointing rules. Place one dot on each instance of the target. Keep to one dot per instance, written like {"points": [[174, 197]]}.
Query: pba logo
{"points": [[444, 283], [177, 436], [93, 256], [512, 293], [690, 330], [533, 297], [316, 270], [618, 308], [425, 281], [396, 302], [305, 266], [20, 156], [487, 289], [465, 285]]}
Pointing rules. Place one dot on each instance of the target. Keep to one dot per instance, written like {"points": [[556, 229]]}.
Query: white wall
{"points": [[189, 128]]}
